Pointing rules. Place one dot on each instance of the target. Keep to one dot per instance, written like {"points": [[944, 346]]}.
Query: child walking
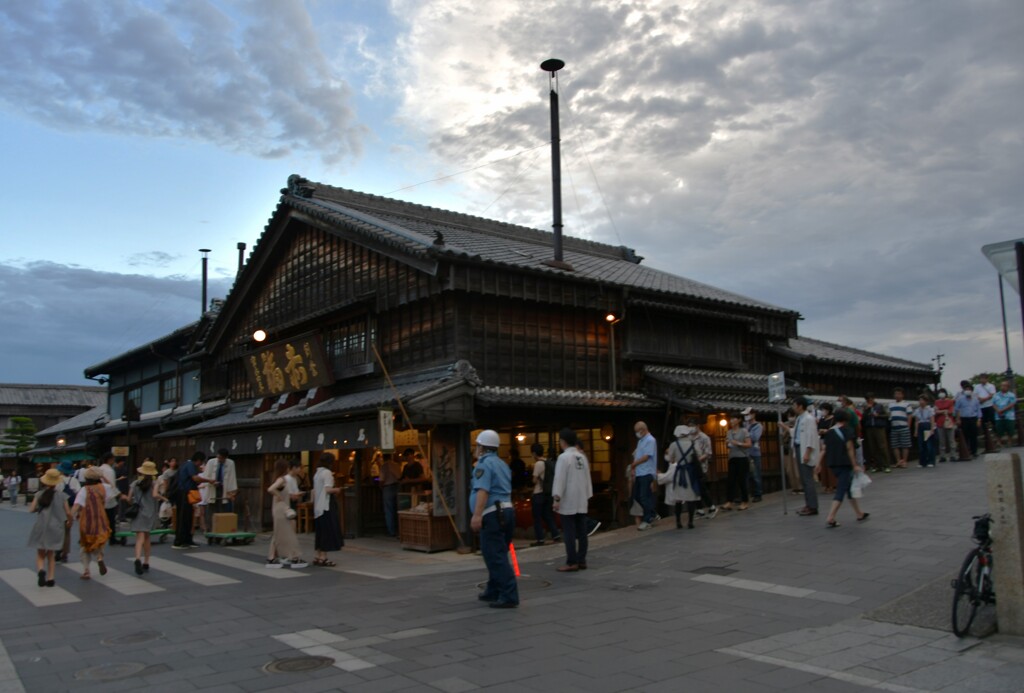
{"points": [[144, 492], [47, 535], [93, 525]]}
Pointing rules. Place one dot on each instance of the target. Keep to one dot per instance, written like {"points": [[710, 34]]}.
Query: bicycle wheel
{"points": [[965, 593]]}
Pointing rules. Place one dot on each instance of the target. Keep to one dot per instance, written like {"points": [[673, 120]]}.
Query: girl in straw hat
{"points": [[47, 535], [90, 511], [144, 492]]}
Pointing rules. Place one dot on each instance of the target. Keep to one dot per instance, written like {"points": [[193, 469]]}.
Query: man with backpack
{"points": [[540, 502]]}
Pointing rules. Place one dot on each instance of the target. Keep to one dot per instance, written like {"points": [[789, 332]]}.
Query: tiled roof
{"points": [[81, 422], [16, 394], [182, 334], [717, 381], [529, 396], [414, 229], [730, 403], [807, 349]]}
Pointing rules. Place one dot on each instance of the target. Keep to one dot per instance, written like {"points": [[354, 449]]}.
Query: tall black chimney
{"points": [[241, 257], [206, 262], [552, 66]]}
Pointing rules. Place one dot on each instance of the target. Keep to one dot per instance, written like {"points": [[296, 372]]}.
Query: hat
{"points": [[51, 478], [92, 474], [488, 439], [66, 468], [682, 431], [748, 410], [148, 468]]}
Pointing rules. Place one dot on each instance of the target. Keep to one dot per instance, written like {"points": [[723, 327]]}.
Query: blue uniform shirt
{"points": [[967, 407], [491, 474], [646, 446], [755, 430]]}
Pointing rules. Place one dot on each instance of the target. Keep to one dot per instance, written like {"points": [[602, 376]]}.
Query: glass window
{"points": [[169, 390]]}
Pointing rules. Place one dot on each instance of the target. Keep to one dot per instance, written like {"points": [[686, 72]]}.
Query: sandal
{"points": [[327, 563], [103, 567], [832, 525], [84, 576], [864, 517]]}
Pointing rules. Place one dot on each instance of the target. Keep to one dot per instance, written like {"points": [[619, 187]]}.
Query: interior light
{"points": [[259, 335], [610, 317], [723, 422], [520, 437]]}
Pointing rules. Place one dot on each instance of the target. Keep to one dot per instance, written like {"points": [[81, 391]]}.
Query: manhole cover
{"points": [[291, 665], [134, 638], [713, 570], [111, 672]]}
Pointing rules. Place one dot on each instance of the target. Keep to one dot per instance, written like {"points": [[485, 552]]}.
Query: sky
{"points": [[844, 160]]}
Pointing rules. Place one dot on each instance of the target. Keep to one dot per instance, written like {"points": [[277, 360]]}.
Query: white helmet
{"points": [[488, 439]]}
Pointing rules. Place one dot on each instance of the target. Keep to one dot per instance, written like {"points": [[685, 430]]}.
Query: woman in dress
{"points": [[93, 525], [47, 535], [682, 479], [145, 493], [284, 546], [325, 512], [737, 440]]}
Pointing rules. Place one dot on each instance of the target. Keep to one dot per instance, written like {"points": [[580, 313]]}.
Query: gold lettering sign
{"points": [[287, 366]]}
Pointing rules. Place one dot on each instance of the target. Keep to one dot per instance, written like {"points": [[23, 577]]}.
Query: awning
{"points": [[341, 434]]}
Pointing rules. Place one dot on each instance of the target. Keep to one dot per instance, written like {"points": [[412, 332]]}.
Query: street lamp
{"points": [[259, 336], [611, 320]]}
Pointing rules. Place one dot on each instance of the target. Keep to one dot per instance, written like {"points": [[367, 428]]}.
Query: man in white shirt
{"points": [[225, 487], [806, 444], [571, 494], [985, 391]]}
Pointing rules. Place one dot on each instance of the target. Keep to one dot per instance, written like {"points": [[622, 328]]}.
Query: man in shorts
{"points": [[899, 428], [1004, 403]]}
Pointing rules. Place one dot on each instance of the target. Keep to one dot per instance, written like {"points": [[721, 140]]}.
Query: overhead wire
{"points": [[468, 170]]}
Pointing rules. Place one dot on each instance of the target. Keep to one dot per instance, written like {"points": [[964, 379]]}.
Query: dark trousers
{"points": [[810, 490], [705, 488], [876, 447], [540, 505], [643, 495], [970, 429], [925, 448], [691, 507], [739, 468], [495, 537], [755, 475], [574, 531], [183, 530], [389, 494], [112, 519]]}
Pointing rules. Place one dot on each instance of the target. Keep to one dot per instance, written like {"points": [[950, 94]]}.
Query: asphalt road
{"points": [[749, 601]]}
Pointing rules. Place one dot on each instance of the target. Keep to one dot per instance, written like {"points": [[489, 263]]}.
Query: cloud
{"points": [[255, 81], [60, 319], [846, 160], [153, 258]]}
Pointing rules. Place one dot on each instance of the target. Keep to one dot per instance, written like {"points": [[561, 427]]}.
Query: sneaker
{"points": [[701, 513], [655, 520], [272, 563], [556, 538], [713, 512], [295, 563], [597, 526], [642, 526], [179, 547]]}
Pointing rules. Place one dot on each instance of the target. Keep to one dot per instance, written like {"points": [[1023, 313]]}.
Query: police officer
{"points": [[490, 501]]}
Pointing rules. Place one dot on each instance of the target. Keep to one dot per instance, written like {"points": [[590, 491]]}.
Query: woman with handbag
{"points": [[325, 512], [837, 452], [284, 545], [143, 499]]}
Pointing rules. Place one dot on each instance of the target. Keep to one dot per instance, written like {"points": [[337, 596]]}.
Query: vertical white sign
{"points": [[777, 387], [386, 421]]}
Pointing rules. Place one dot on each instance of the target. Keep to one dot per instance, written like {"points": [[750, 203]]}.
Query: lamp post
{"points": [[612, 320]]}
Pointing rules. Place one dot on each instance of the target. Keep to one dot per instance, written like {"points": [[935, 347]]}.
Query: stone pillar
{"points": [[1006, 504]]}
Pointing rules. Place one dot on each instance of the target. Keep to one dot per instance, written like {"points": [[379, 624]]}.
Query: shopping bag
{"points": [[860, 481]]}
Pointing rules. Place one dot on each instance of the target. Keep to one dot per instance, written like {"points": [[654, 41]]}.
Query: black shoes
{"points": [[42, 578], [138, 567], [486, 598]]}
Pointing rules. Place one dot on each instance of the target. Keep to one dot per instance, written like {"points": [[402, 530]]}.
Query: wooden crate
{"points": [[424, 532]]}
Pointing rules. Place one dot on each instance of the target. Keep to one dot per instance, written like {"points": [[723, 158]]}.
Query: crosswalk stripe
{"points": [[187, 572], [116, 580], [246, 565], [23, 581]]}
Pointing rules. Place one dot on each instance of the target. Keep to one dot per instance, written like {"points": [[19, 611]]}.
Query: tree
{"points": [[19, 437], [996, 378]]}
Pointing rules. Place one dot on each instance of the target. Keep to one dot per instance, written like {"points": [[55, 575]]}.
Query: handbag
{"points": [[194, 496], [290, 514], [132, 511]]}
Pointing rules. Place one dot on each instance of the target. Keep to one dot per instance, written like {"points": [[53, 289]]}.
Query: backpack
{"points": [[548, 483]]}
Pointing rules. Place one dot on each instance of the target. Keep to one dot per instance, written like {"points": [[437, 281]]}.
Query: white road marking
{"points": [[784, 590], [186, 572], [248, 565], [24, 582], [124, 583], [310, 642]]}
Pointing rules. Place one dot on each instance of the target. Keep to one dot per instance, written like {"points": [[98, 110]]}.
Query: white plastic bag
{"points": [[860, 482]]}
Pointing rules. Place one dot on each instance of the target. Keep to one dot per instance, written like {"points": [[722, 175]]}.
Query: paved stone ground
{"points": [[752, 601]]}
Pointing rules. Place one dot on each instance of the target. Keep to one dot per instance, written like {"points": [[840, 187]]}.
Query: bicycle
{"points": [[973, 585]]}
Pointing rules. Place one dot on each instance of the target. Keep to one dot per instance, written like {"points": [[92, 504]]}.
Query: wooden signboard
{"points": [[296, 364]]}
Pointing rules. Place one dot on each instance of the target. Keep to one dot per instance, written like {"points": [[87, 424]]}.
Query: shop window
{"points": [[132, 403], [349, 345]]}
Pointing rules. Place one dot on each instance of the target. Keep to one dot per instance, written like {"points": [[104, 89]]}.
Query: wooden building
{"points": [[475, 329]]}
